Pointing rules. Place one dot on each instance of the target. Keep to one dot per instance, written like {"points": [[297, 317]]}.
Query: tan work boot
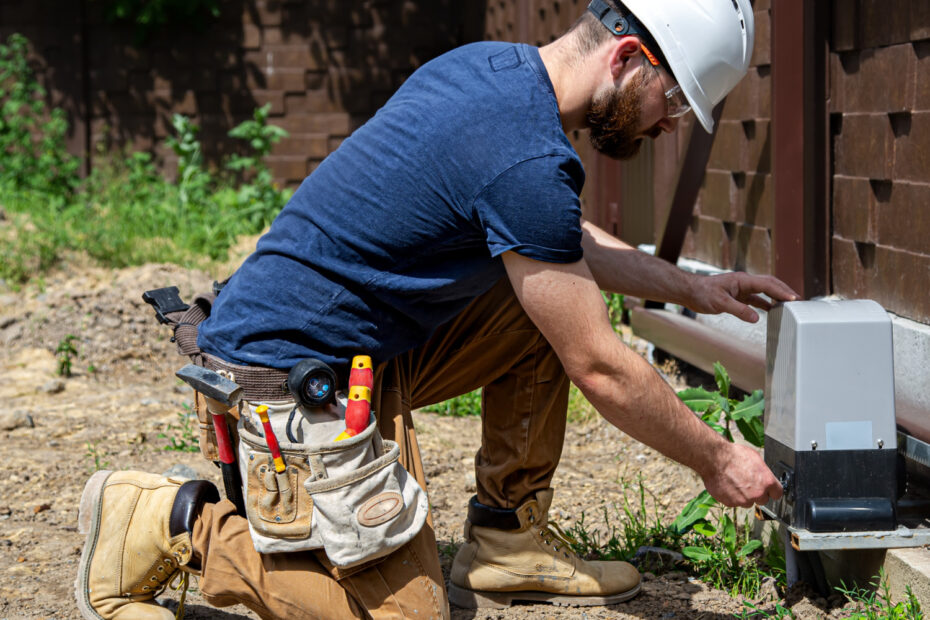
{"points": [[513, 555], [138, 535]]}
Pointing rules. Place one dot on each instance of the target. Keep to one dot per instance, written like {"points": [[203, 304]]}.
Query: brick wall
{"points": [[880, 127], [324, 66], [732, 222]]}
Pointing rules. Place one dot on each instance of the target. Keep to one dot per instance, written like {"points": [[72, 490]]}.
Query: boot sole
{"points": [[89, 523], [474, 599]]}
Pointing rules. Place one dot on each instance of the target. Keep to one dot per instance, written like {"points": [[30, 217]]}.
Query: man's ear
{"points": [[624, 50]]}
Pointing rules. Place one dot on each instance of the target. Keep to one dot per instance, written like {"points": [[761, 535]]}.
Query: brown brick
{"points": [[751, 249], [743, 100], [883, 22], [757, 207], [296, 56], [850, 278], [921, 77], [920, 21], [873, 80], [334, 123], [268, 12], [309, 146], [727, 151], [758, 145], [865, 146], [717, 194], [912, 149], [709, 242], [275, 98], [762, 50], [291, 168], [251, 36], [845, 25], [311, 101], [853, 212], [903, 222], [898, 275]]}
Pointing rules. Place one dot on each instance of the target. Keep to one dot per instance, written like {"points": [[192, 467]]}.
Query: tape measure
{"points": [[312, 382]]}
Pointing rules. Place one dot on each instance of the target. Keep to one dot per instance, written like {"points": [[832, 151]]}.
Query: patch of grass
{"points": [[873, 603], [636, 525], [465, 405], [876, 603], [125, 212]]}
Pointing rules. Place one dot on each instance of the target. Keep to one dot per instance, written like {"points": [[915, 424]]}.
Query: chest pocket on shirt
{"points": [[508, 59]]}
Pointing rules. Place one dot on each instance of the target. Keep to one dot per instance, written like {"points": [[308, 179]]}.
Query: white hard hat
{"points": [[707, 44]]}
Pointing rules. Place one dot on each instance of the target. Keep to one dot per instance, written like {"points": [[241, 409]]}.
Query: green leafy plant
{"points": [[616, 310], [722, 555], [33, 157], [96, 456], [188, 441], [66, 352], [722, 558]]}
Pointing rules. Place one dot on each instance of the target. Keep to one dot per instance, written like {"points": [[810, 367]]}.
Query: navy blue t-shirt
{"points": [[404, 224]]}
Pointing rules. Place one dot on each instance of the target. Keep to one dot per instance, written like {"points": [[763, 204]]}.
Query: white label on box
{"points": [[849, 435]]}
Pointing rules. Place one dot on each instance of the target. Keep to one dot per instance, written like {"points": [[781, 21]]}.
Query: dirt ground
{"points": [[121, 409]]}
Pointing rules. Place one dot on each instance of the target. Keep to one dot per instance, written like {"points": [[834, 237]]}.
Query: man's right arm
{"points": [[565, 303]]}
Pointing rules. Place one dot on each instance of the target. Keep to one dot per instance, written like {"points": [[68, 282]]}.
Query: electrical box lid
{"points": [[830, 375]]}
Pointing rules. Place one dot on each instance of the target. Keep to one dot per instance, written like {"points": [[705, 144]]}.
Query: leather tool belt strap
{"points": [[258, 383]]}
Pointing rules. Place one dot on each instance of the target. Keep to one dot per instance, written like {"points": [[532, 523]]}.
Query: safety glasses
{"points": [[676, 104]]}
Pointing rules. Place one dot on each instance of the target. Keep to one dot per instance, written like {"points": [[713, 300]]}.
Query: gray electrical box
{"points": [[830, 432]]}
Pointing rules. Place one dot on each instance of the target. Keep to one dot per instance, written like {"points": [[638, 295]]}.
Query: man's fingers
{"points": [[740, 310], [773, 287], [759, 302]]}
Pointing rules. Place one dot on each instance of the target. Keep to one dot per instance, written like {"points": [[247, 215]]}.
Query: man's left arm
{"points": [[621, 268]]}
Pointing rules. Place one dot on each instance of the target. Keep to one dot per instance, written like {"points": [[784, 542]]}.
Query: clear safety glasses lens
{"points": [[677, 102]]}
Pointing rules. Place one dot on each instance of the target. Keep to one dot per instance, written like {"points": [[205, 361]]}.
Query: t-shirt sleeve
{"points": [[533, 209]]}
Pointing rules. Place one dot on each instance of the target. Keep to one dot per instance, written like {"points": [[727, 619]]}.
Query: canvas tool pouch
{"points": [[350, 498]]}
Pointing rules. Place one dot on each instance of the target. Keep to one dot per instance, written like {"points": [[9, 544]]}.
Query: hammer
{"points": [[220, 395]]}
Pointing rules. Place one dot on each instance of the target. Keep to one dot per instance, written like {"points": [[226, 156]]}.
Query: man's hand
{"points": [[741, 478], [735, 292]]}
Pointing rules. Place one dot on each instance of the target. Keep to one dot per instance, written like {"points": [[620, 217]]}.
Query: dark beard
{"points": [[613, 117]]}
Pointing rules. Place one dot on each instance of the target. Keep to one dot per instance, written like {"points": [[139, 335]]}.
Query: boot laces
{"points": [[551, 534]]}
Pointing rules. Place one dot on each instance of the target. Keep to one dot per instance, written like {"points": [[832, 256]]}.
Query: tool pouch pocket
{"points": [[350, 498], [208, 446]]}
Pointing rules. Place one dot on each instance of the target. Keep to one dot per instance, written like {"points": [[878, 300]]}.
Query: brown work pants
{"points": [[494, 344]]}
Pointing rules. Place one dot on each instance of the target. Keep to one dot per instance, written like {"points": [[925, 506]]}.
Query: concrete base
{"points": [[909, 567]]}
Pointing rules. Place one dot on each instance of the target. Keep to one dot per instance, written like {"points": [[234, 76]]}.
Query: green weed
{"points": [[66, 352], [189, 440], [96, 456], [642, 526], [616, 311], [876, 604]]}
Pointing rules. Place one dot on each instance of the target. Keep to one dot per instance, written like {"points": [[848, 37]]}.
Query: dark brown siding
{"points": [[880, 119], [324, 66]]}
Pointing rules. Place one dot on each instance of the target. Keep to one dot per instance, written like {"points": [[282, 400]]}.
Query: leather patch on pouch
{"points": [[380, 508]]}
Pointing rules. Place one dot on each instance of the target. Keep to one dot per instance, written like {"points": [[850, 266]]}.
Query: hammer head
{"points": [[210, 384]]}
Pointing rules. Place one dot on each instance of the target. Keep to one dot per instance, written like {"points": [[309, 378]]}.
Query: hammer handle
{"points": [[231, 479]]}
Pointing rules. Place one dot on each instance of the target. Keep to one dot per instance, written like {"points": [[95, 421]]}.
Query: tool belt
{"points": [[351, 498]]}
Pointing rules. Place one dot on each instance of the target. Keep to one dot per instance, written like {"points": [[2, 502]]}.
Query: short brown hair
{"points": [[589, 33]]}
